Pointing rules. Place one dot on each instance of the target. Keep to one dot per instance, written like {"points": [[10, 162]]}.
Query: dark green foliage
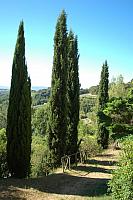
{"points": [[130, 96], [103, 97], [3, 161], [89, 144], [87, 104], [4, 95], [40, 97], [39, 120], [120, 111], [40, 162], [19, 113], [121, 185], [84, 128], [72, 94], [57, 126], [103, 135]]}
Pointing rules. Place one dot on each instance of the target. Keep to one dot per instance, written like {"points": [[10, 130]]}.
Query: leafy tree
{"points": [[19, 113], [120, 111], [87, 104], [72, 94], [57, 125], [103, 134], [117, 87], [39, 120]]}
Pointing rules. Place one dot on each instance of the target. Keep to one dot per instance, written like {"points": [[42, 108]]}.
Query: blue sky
{"points": [[104, 29]]}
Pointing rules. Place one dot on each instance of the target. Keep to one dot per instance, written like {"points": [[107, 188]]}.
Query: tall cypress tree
{"points": [[103, 87], [103, 133], [19, 113], [72, 94], [57, 125]]}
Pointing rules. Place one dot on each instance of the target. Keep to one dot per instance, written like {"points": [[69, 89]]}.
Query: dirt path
{"points": [[84, 181]]}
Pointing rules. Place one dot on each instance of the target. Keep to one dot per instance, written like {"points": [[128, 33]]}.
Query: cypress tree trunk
{"points": [[19, 113], [72, 95], [57, 125], [103, 133]]}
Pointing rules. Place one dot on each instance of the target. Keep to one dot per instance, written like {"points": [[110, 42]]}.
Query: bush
{"points": [[121, 184], [90, 145], [40, 163], [85, 129], [3, 161]]}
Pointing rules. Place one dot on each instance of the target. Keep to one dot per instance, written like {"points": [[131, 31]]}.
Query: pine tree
{"points": [[57, 125], [72, 94], [19, 113], [103, 133]]}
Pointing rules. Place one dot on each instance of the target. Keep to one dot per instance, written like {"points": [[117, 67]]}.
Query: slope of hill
{"points": [[84, 182]]}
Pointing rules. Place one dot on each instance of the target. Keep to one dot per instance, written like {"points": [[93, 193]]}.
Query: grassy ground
{"points": [[85, 182]]}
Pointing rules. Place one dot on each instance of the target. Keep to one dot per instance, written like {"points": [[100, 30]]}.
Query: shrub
{"points": [[90, 145], [84, 128], [40, 163], [121, 184], [3, 161]]}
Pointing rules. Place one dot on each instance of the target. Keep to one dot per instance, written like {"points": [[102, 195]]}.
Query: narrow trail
{"points": [[81, 182]]}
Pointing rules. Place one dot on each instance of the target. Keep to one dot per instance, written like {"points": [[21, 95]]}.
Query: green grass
{"points": [[100, 198]]}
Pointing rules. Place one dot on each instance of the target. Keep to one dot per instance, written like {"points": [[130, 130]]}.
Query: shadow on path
{"points": [[62, 183], [90, 169], [58, 184], [101, 162]]}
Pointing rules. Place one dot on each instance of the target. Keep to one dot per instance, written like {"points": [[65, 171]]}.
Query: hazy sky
{"points": [[104, 29]]}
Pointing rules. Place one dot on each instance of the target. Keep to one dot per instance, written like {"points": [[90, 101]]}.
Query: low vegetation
{"points": [[121, 184], [40, 163], [3, 162]]}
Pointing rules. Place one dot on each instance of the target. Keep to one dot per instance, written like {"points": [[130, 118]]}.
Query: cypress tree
{"points": [[57, 125], [103, 86], [72, 94], [103, 133], [19, 113]]}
